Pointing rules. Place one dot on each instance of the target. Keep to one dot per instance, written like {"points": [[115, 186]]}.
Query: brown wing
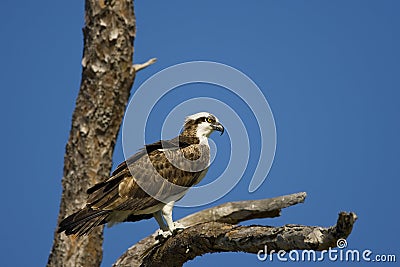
{"points": [[152, 172], [178, 142]]}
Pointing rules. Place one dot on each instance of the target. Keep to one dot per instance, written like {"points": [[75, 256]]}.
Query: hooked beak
{"points": [[218, 127]]}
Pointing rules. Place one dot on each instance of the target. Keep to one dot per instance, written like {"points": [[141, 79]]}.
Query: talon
{"points": [[161, 234]]}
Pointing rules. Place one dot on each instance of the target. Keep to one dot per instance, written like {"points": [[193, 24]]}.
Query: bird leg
{"points": [[167, 215], [158, 216], [164, 220], [163, 232]]}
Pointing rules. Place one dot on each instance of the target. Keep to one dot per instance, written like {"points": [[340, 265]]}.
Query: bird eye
{"points": [[209, 120]]}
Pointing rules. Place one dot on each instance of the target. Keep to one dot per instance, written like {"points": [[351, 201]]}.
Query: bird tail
{"points": [[83, 221]]}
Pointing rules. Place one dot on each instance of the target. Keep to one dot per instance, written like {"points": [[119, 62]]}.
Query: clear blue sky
{"points": [[329, 69]]}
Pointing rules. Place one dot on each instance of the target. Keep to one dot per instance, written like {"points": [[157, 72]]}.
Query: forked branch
{"points": [[213, 230]]}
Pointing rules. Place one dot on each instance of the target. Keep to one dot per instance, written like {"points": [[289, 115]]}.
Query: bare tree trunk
{"points": [[107, 78]]}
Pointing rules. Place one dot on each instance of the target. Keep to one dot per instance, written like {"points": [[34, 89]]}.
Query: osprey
{"points": [[148, 183]]}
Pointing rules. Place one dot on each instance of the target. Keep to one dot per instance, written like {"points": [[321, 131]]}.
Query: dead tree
{"points": [[107, 77]]}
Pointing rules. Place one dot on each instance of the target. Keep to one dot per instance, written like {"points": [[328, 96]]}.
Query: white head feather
{"points": [[204, 129], [196, 116]]}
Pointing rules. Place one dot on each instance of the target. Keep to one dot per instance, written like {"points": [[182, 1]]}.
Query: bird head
{"points": [[202, 124]]}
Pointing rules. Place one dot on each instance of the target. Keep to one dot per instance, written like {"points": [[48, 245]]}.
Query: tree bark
{"points": [[214, 230], [107, 78]]}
